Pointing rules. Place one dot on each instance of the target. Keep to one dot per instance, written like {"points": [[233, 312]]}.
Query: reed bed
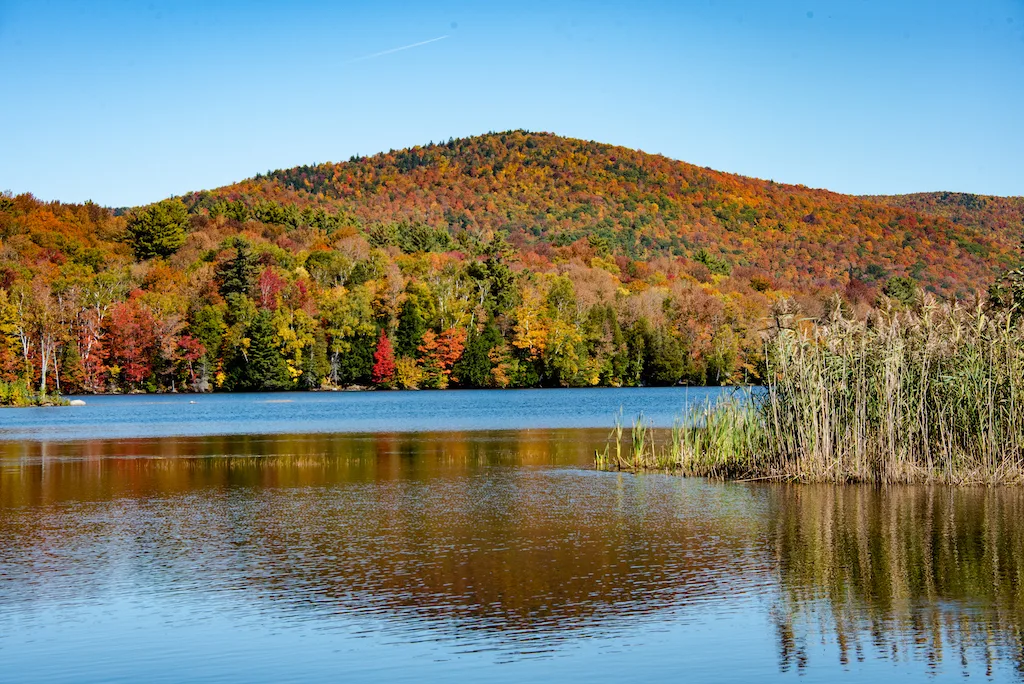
{"points": [[930, 395]]}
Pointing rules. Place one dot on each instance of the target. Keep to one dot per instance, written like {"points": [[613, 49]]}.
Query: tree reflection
{"points": [[475, 537], [462, 535], [909, 573]]}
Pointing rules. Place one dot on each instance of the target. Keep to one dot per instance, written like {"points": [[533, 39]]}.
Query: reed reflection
{"points": [[929, 574]]}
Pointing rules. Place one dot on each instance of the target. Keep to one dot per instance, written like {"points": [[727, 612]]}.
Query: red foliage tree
{"points": [[383, 361], [190, 350], [440, 352], [132, 342], [10, 363], [270, 285], [94, 368]]}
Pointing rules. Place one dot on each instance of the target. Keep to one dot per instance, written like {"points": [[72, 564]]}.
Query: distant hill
{"points": [[504, 260], [548, 191]]}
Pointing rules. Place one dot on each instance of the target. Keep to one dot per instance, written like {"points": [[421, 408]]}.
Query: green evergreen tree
{"points": [[473, 369], [261, 367], [355, 365], [903, 289], [411, 326], [715, 264], [635, 338], [158, 230], [664, 363], [620, 350], [528, 371], [236, 275]]}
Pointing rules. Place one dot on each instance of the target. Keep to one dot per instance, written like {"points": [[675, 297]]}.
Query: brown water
{"points": [[485, 555]]}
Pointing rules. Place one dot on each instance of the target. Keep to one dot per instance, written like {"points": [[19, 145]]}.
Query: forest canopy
{"points": [[504, 260]]}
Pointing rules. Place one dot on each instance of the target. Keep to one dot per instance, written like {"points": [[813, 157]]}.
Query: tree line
{"points": [[232, 291]]}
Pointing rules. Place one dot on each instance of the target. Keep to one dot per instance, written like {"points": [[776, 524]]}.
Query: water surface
{"points": [[485, 555], [305, 412]]}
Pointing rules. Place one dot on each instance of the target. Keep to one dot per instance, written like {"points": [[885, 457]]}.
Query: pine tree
{"points": [[237, 275], [261, 367], [354, 365], [411, 327], [158, 230], [664, 363], [383, 362], [473, 368]]}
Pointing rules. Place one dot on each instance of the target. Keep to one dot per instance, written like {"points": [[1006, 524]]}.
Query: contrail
{"points": [[397, 49]]}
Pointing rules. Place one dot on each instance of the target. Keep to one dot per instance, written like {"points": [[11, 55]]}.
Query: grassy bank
{"points": [[16, 394], [935, 394]]}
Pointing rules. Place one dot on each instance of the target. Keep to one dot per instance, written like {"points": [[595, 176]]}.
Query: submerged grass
{"points": [[935, 394]]}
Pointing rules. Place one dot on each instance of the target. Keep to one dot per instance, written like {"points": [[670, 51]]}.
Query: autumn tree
{"points": [[132, 343], [329, 268], [722, 358], [440, 354], [269, 286], [383, 362], [10, 365], [351, 334], [315, 365], [191, 350]]}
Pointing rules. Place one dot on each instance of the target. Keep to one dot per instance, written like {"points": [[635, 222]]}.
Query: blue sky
{"points": [[129, 102]]}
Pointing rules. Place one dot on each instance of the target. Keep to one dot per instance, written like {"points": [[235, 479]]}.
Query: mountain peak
{"points": [[546, 192]]}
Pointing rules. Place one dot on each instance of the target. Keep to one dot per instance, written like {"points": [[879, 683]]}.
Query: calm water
{"points": [[305, 412], [477, 555]]}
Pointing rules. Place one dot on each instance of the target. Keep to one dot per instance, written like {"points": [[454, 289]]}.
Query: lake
{"points": [[173, 415], [380, 536]]}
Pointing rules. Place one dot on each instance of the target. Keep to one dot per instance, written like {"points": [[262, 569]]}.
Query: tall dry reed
{"points": [[933, 394]]}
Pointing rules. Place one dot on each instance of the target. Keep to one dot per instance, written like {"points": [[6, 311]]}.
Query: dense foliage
{"points": [[507, 260]]}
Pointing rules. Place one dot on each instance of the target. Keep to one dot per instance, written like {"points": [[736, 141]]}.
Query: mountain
{"points": [[547, 191], [504, 260]]}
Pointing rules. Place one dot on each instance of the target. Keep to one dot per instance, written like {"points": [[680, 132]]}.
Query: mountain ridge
{"points": [[507, 260], [545, 190]]}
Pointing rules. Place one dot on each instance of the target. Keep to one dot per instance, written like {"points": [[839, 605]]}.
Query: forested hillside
{"points": [[504, 260], [992, 215], [544, 191]]}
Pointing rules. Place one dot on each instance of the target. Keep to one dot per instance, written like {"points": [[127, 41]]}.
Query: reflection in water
{"points": [[474, 540], [456, 531], [934, 574]]}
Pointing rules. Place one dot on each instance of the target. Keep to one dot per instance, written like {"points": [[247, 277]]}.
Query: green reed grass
{"points": [[935, 394]]}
